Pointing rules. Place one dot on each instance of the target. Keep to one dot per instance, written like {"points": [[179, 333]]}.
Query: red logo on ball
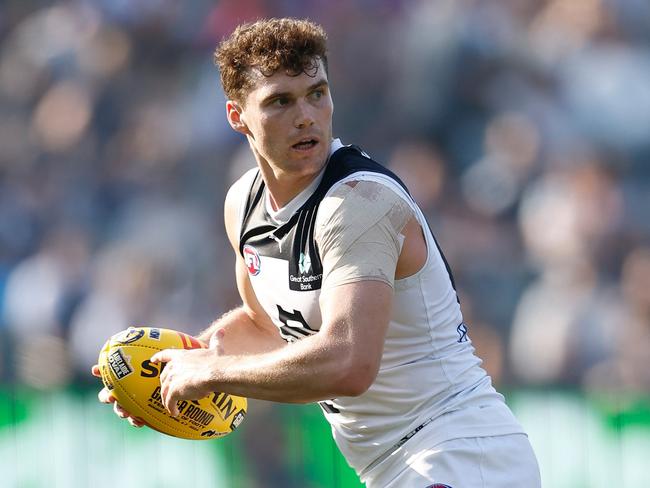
{"points": [[252, 260]]}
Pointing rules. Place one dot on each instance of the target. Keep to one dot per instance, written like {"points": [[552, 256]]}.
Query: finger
{"points": [[105, 396], [95, 371], [119, 411], [165, 373], [168, 398], [215, 341], [215, 338], [164, 388], [163, 356], [136, 422], [171, 404]]}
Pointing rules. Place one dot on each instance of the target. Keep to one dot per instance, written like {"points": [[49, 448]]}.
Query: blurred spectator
{"points": [[521, 127], [565, 219], [422, 169], [40, 293], [626, 370]]}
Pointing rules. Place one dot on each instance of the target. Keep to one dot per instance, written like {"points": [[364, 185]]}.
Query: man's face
{"points": [[288, 121]]}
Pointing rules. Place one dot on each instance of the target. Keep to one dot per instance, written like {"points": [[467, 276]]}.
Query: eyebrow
{"points": [[312, 87]]}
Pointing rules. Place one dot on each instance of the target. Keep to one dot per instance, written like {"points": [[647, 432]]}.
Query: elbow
{"points": [[355, 379], [355, 388]]}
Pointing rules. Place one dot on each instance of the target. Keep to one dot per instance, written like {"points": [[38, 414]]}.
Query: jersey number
{"points": [[291, 333], [328, 407]]}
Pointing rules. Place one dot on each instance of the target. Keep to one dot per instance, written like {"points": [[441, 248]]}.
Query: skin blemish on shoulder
{"points": [[373, 192]]}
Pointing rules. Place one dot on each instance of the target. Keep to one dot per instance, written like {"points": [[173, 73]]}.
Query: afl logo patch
{"points": [[252, 260], [129, 336]]}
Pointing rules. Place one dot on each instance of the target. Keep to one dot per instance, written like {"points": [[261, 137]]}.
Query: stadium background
{"points": [[521, 126]]}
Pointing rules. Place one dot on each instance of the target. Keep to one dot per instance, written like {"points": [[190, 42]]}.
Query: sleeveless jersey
{"points": [[429, 380]]}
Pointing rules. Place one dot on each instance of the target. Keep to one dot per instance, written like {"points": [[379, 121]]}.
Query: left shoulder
{"points": [[347, 161], [359, 201]]}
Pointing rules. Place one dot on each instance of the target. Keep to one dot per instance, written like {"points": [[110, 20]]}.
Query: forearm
{"points": [[305, 371]]}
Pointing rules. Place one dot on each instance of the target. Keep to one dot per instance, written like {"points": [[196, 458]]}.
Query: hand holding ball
{"points": [[134, 380]]}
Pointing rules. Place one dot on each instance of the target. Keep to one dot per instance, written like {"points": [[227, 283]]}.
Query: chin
{"points": [[318, 163], [310, 162]]}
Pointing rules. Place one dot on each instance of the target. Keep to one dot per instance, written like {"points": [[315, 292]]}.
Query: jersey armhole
{"points": [[246, 182]]}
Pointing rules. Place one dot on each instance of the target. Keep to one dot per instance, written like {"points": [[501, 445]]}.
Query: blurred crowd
{"points": [[522, 128]]}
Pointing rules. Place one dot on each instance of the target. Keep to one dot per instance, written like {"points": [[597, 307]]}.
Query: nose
{"points": [[304, 117]]}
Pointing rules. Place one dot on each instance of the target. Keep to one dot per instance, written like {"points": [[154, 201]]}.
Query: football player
{"points": [[347, 298]]}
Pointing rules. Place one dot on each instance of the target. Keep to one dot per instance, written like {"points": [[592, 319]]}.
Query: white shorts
{"points": [[505, 461]]}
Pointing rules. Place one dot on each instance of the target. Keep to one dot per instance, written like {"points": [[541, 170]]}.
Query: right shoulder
{"points": [[234, 205]]}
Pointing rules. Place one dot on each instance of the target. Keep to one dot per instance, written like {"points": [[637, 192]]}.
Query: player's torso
{"points": [[286, 280], [282, 256]]}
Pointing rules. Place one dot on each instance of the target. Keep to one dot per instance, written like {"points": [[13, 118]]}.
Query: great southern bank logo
{"points": [[305, 278], [252, 260], [304, 263]]}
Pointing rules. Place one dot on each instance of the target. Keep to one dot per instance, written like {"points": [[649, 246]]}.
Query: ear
{"points": [[235, 119]]}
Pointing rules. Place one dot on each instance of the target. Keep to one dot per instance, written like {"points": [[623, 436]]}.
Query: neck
{"points": [[283, 187]]}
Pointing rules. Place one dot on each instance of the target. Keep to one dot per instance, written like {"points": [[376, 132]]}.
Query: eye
{"points": [[281, 101], [317, 94]]}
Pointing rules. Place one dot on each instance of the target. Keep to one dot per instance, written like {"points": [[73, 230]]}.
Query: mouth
{"points": [[305, 144]]}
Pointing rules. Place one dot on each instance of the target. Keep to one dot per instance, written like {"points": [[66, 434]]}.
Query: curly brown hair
{"points": [[268, 45]]}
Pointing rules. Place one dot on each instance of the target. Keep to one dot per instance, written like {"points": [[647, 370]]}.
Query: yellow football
{"points": [[134, 381]]}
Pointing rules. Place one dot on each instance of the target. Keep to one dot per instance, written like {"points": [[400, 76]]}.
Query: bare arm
{"points": [[341, 360]]}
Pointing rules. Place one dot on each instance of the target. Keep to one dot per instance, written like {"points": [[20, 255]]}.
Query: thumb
{"points": [[163, 356], [215, 341]]}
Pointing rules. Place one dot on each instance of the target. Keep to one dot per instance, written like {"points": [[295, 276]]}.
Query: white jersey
{"points": [[428, 375]]}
